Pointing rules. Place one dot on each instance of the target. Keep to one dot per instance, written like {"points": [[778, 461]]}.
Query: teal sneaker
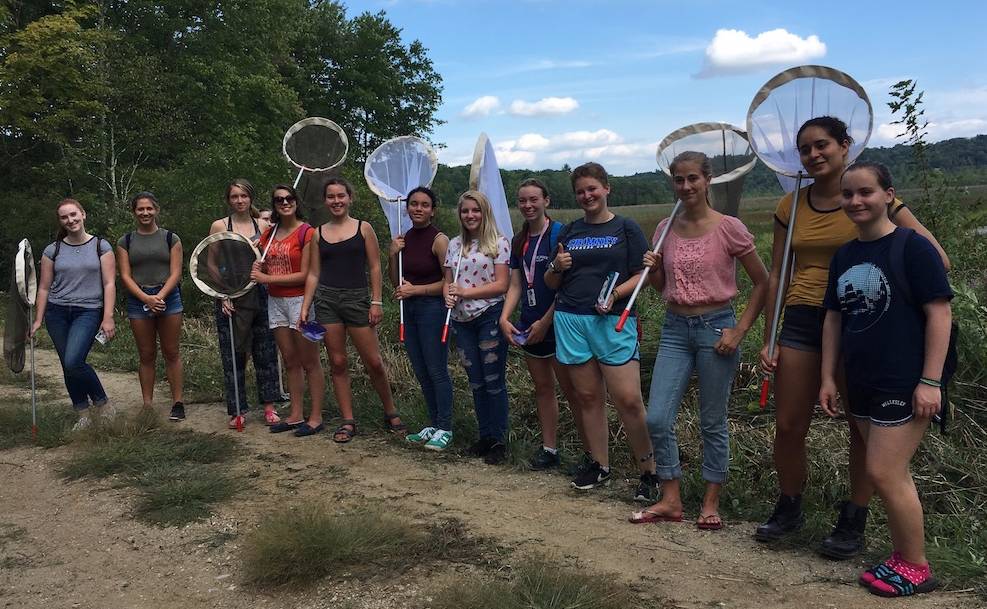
{"points": [[440, 440], [422, 436]]}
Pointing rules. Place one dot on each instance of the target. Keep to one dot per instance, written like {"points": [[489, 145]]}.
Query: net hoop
{"points": [[816, 72], [322, 122], [707, 127], [493, 188], [27, 279], [193, 266], [387, 194], [479, 152]]}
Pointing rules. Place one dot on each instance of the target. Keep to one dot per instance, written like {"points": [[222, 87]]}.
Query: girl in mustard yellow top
{"points": [[820, 229]]}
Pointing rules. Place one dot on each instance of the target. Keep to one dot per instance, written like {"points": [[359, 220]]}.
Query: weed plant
{"points": [[539, 584], [177, 473], [54, 425]]}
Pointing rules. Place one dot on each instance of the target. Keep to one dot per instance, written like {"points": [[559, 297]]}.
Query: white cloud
{"points": [[481, 106], [535, 150], [544, 107], [886, 134], [533, 142], [734, 51]]}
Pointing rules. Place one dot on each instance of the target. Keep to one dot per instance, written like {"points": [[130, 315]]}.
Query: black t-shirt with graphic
{"points": [[883, 341], [597, 250]]}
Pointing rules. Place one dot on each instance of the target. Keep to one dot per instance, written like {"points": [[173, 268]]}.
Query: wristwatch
{"points": [[552, 268]]}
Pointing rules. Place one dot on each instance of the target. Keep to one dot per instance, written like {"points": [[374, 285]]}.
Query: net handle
{"points": [[322, 122], [807, 71], [376, 187]]}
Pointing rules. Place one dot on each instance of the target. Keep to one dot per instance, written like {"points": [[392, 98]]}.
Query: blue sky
{"points": [[555, 82]]}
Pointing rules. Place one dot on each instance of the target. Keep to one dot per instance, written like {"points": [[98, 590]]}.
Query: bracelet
{"points": [[930, 382], [379, 303]]}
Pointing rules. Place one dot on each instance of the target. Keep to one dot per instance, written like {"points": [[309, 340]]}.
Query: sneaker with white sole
{"points": [[593, 477], [440, 440], [106, 410], [422, 436]]}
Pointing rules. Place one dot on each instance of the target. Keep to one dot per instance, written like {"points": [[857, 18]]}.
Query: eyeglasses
{"points": [[280, 200]]}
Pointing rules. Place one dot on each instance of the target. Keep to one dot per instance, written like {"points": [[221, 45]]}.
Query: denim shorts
{"points": [[173, 304], [580, 338], [284, 311], [802, 328]]}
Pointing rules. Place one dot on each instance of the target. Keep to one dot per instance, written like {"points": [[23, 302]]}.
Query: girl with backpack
{"points": [[820, 229], [75, 299], [890, 321], [530, 252], [150, 262], [289, 245]]}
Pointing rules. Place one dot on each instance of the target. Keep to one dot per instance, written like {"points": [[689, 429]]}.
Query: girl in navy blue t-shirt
{"points": [[531, 251], [894, 347]]}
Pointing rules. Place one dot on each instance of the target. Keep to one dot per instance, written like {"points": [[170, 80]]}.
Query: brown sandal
{"points": [[345, 432], [395, 428]]}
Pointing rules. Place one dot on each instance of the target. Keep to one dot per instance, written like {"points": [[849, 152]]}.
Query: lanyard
{"points": [[529, 272]]}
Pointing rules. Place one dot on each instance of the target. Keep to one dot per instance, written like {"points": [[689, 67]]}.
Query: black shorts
{"points": [[802, 328], [882, 408]]}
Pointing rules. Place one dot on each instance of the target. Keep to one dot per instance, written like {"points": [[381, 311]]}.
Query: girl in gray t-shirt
{"points": [[150, 261], [75, 302]]}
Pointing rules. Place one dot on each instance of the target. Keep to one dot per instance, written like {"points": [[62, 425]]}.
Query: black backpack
{"points": [[900, 280]]}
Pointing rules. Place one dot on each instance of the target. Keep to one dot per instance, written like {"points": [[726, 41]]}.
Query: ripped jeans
{"points": [[483, 351]]}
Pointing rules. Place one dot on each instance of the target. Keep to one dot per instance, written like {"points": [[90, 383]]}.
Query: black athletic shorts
{"points": [[882, 408], [802, 328]]}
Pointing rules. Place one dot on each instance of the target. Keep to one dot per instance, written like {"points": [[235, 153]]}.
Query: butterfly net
{"points": [[395, 168], [221, 264], [794, 96], [21, 297], [485, 177], [315, 144], [730, 154]]}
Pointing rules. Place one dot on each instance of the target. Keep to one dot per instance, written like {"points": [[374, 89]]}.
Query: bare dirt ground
{"points": [[75, 544]]}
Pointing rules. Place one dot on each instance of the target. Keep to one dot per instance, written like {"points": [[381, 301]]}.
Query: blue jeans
{"points": [[483, 351], [687, 344], [424, 317], [72, 330]]}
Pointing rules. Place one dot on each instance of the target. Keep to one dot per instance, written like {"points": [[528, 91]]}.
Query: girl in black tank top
{"points": [[337, 283]]}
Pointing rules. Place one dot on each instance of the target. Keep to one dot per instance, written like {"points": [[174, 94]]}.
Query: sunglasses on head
{"points": [[279, 200]]}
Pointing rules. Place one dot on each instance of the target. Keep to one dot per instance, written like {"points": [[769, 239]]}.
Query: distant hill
{"points": [[964, 160]]}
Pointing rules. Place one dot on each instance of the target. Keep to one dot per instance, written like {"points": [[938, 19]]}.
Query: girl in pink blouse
{"points": [[696, 274]]}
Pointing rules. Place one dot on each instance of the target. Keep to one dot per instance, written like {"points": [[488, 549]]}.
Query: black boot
{"points": [[787, 518], [847, 538]]}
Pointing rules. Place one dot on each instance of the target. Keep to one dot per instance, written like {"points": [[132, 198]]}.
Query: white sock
{"points": [[551, 451]]}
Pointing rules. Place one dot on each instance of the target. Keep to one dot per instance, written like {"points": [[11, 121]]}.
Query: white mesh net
{"points": [[794, 96], [220, 265], [392, 170], [485, 177]]}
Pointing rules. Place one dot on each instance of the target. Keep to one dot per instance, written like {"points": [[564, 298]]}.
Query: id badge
{"points": [[531, 297]]}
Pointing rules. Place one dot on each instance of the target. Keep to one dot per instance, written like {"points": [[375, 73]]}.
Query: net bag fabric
{"points": [[392, 170], [315, 144], [730, 153], [21, 297], [220, 267], [485, 177], [794, 96]]}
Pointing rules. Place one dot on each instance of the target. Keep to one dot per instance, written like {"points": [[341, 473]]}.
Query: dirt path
{"points": [[76, 545]]}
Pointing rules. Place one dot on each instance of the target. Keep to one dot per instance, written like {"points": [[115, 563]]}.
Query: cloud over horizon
{"points": [[736, 52]]}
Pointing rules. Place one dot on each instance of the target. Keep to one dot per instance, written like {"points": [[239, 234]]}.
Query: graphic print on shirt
{"points": [[865, 295], [279, 258], [591, 243]]}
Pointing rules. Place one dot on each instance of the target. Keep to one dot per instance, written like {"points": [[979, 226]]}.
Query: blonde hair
{"points": [[488, 233]]}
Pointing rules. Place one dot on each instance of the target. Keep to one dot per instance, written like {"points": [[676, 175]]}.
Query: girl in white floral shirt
{"points": [[475, 293]]}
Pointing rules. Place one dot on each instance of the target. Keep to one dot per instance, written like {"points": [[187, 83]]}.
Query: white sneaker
{"points": [[422, 436], [440, 440], [84, 422]]}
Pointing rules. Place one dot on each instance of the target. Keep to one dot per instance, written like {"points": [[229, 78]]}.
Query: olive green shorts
{"points": [[347, 306]]}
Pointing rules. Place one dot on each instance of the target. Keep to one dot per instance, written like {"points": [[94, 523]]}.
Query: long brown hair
{"points": [[62, 233], [247, 186]]}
